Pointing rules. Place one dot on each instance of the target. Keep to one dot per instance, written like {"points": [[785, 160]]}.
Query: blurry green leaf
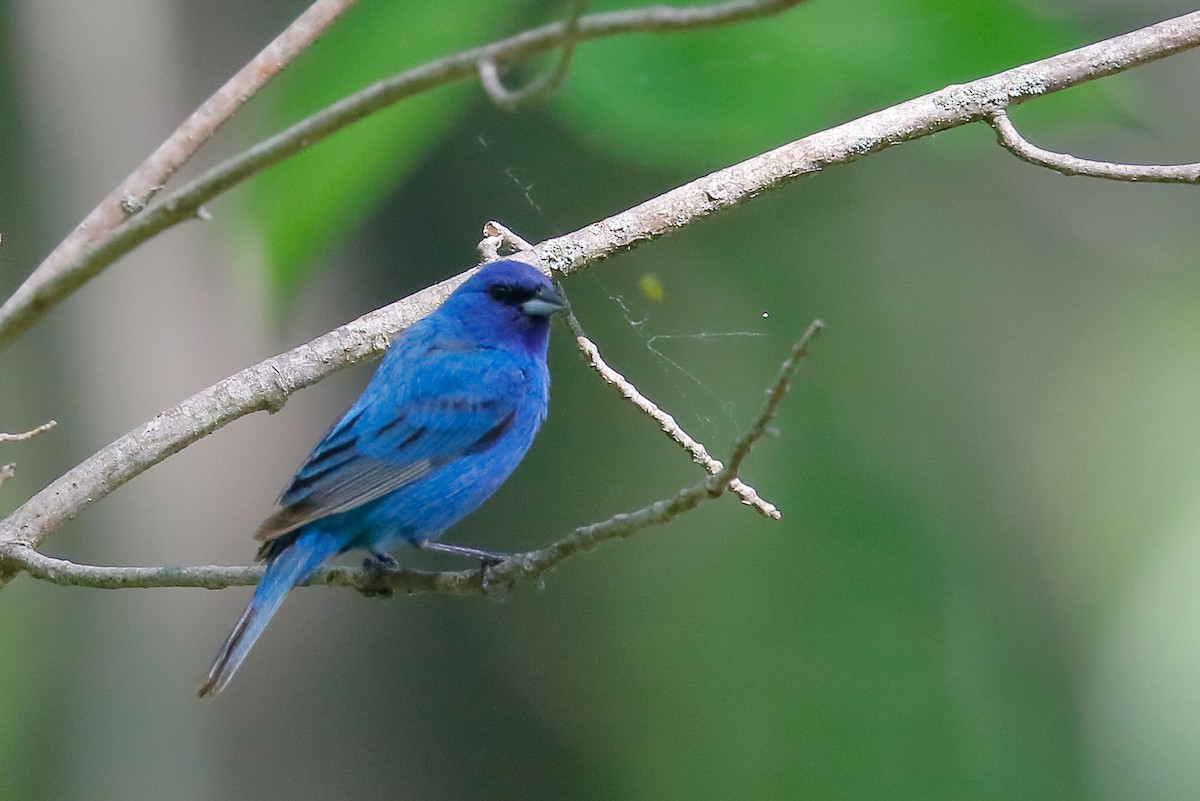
{"points": [[301, 208], [701, 100], [651, 287]]}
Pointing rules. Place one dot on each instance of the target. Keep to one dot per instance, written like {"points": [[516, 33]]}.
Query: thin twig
{"points": [[19, 555], [44, 289], [7, 471], [46, 426], [665, 421], [745, 443], [134, 194], [539, 90], [1012, 141]]}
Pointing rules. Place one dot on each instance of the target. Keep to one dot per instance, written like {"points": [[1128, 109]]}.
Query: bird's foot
{"points": [[376, 569], [486, 564], [487, 559]]}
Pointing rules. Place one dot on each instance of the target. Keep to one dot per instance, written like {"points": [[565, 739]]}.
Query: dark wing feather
{"points": [[374, 450]]}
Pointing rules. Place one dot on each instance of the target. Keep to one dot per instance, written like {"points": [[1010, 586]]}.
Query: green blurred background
{"points": [[985, 584]]}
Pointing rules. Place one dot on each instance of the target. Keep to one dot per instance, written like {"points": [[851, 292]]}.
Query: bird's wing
{"points": [[455, 402]]}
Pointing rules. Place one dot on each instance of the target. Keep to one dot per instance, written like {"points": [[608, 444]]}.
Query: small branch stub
{"points": [[7, 471], [46, 426], [497, 237]]}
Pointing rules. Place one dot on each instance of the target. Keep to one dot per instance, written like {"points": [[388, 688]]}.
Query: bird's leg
{"points": [[376, 569], [487, 559]]}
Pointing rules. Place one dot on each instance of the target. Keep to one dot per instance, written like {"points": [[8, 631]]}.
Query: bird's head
{"points": [[507, 303]]}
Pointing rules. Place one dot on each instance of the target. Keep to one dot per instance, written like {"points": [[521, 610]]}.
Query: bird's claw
{"points": [[485, 565], [376, 569]]}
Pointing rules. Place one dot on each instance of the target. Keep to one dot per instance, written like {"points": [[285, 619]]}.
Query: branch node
{"points": [[498, 237], [131, 204], [275, 391]]}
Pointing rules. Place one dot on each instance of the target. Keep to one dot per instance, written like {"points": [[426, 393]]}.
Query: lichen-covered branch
{"points": [[20, 555], [953, 106]]}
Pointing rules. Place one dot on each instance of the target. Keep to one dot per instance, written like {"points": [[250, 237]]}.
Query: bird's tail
{"points": [[288, 568]]}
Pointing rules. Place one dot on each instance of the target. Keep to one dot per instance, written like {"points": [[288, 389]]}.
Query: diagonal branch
{"points": [[22, 556], [134, 193], [1022, 148], [49, 285], [666, 422], [938, 111]]}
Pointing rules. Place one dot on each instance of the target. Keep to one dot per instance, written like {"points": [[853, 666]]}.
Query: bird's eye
{"points": [[509, 294], [500, 292]]}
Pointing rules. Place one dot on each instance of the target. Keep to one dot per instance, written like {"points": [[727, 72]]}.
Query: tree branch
{"points": [[947, 108], [1012, 141], [49, 285], [266, 386], [262, 387], [19, 555], [57, 275]]}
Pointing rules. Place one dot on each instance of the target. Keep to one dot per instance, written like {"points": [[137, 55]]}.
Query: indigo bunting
{"points": [[448, 415]]}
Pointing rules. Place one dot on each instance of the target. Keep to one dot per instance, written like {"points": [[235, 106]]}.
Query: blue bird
{"points": [[448, 415]]}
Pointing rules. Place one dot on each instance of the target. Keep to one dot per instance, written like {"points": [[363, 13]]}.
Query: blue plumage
{"points": [[448, 415]]}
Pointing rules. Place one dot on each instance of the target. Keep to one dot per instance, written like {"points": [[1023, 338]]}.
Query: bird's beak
{"points": [[546, 302]]}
